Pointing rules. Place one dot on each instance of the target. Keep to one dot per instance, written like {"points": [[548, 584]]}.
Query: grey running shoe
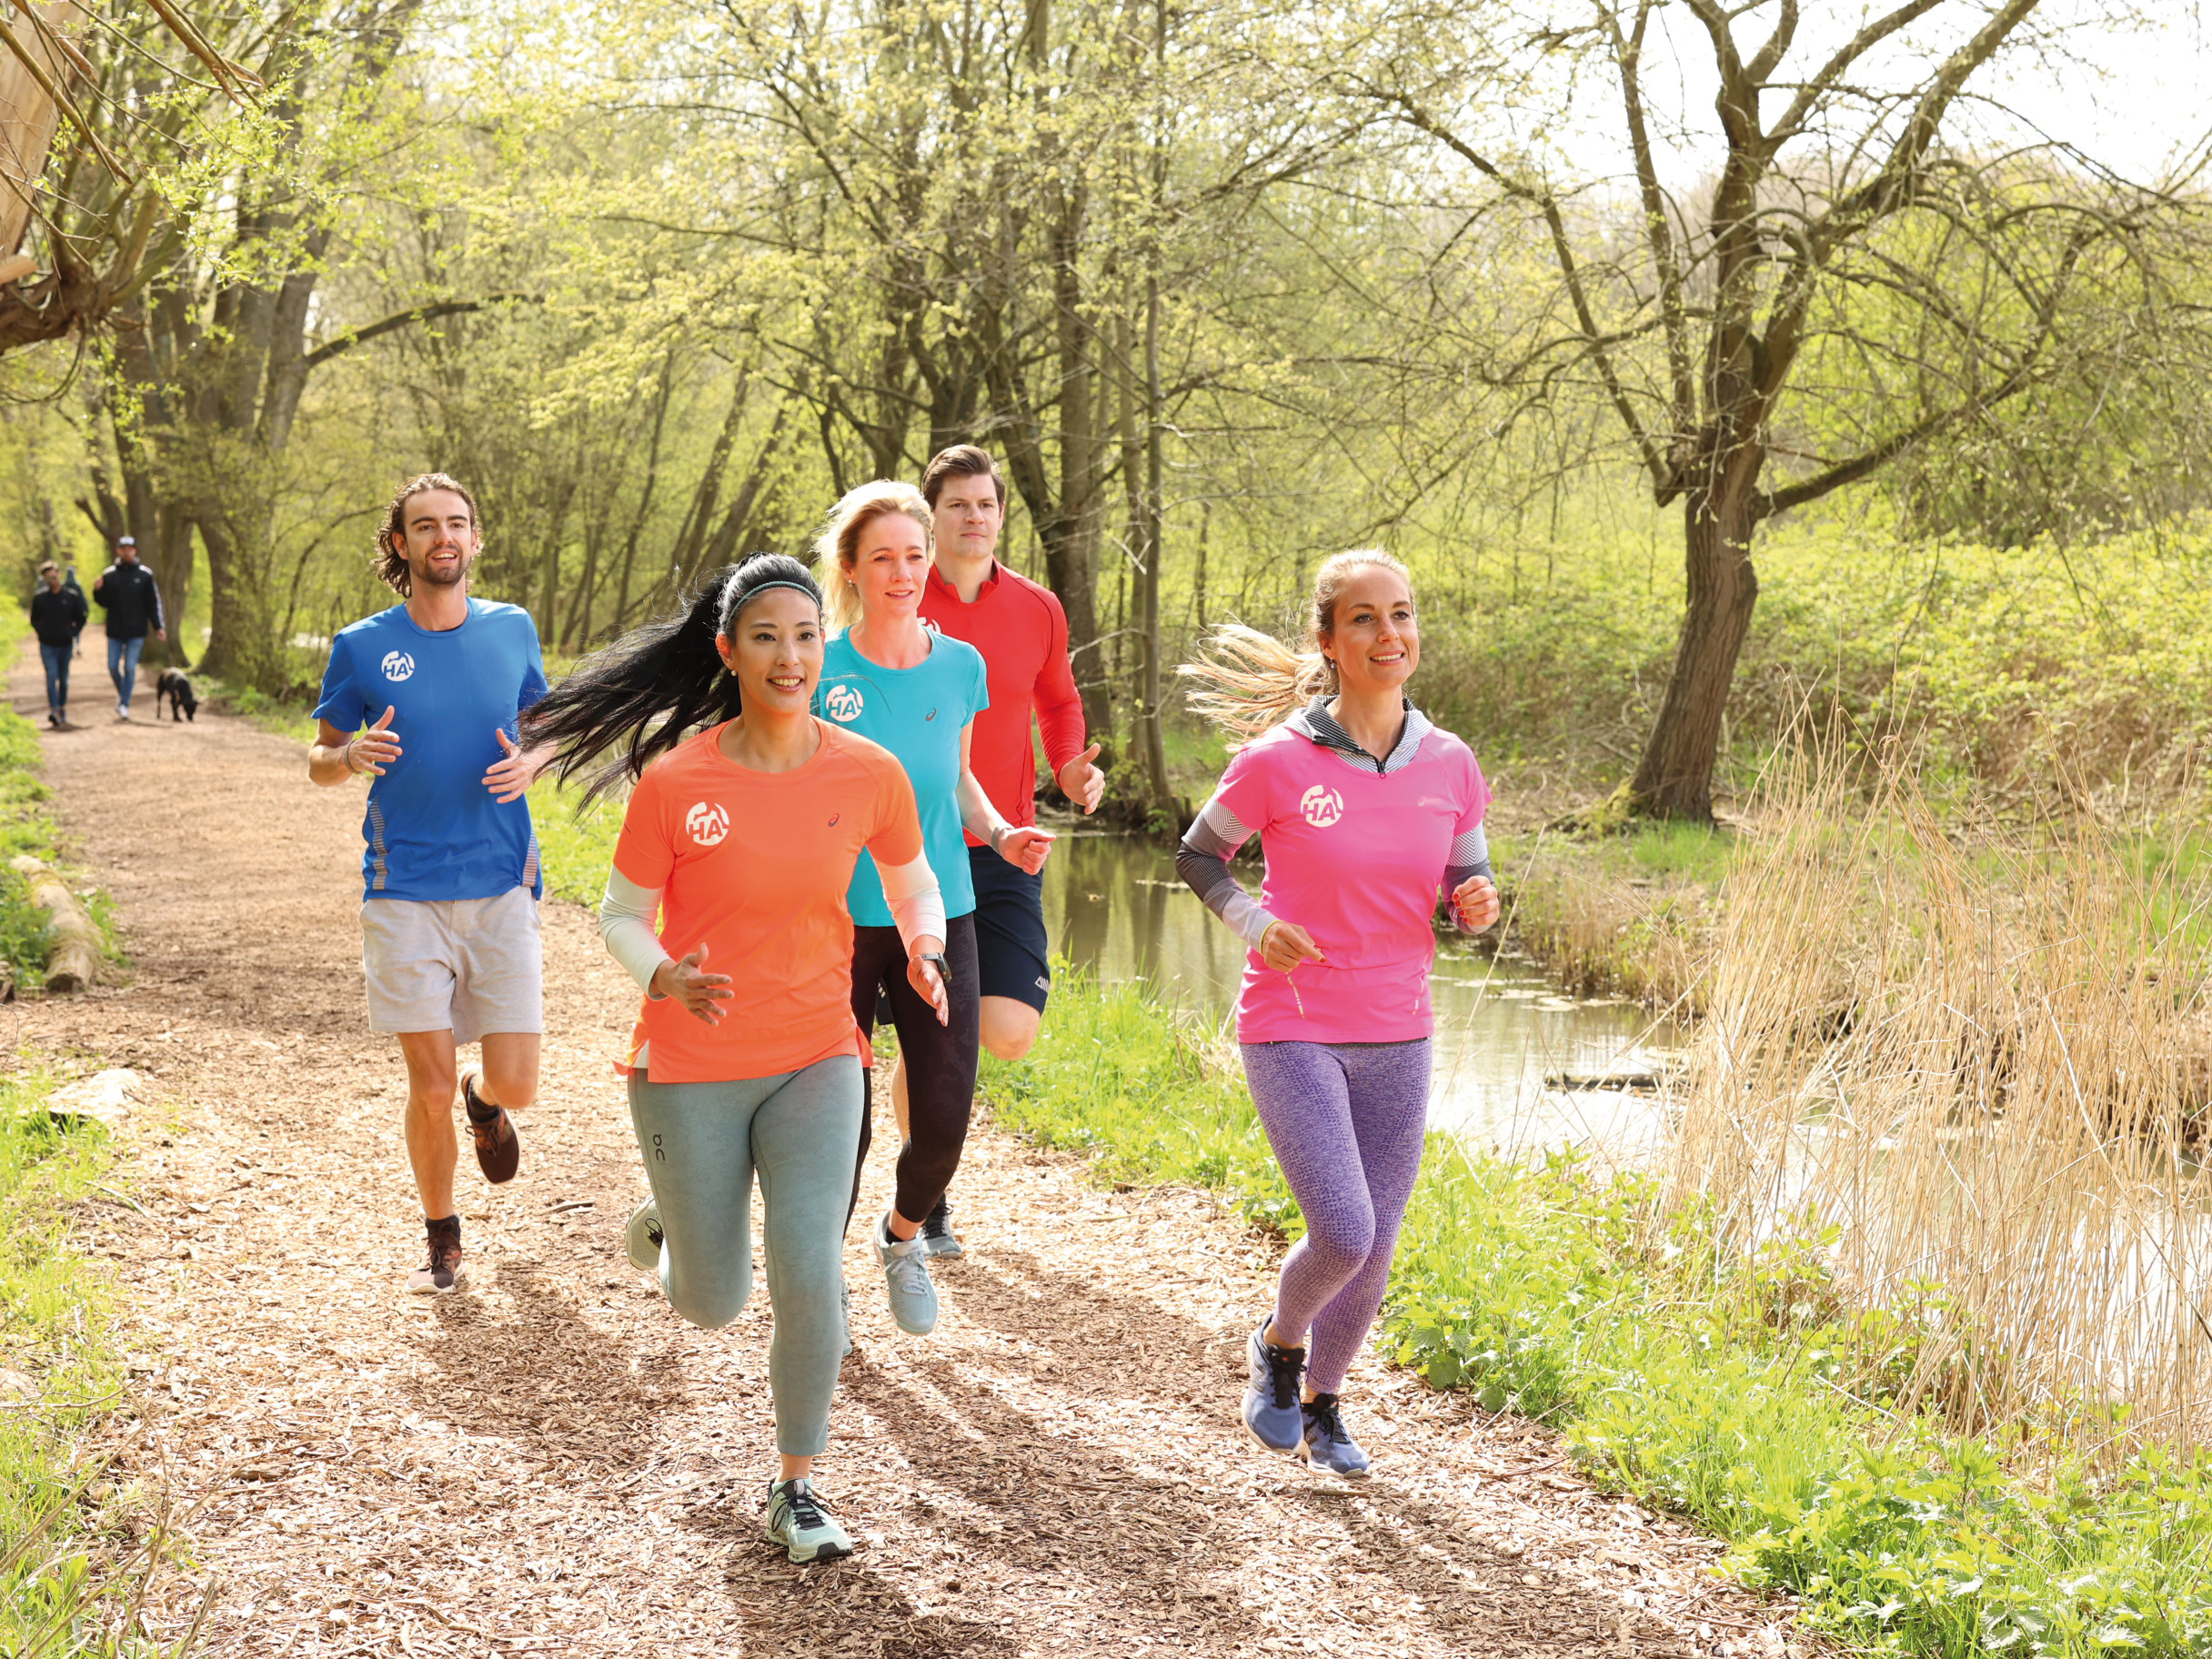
{"points": [[936, 1231], [1326, 1446], [442, 1272], [1270, 1401], [799, 1520], [642, 1237], [906, 1270]]}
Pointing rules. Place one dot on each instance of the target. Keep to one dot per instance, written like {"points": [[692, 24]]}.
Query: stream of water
{"points": [[1113, 904]]}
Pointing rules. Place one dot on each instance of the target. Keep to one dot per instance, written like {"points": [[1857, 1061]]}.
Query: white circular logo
{"points": [[843, 702], [1322, 805], [708, 823], [397, 665]]}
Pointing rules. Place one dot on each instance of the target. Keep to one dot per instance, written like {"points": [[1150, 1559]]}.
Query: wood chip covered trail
{"points": [[553, 1462]]}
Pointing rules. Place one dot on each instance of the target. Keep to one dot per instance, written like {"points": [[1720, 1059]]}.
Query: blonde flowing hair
{"points": [[838, 545], [1249, 681]]}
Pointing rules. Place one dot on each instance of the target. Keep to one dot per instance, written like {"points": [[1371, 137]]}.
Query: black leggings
{"points": [[940, 1059]]}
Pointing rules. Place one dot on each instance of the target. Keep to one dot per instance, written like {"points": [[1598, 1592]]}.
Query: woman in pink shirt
{"points": [[1367, 814]]}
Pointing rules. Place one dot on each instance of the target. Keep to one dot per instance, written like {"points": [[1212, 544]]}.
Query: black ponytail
{"points": [[656, 685]]}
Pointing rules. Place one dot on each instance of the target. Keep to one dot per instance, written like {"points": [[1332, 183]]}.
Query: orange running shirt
{"points": [[754, 866]]}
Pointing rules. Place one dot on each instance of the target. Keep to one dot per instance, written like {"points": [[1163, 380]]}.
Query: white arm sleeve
{"points": [[917, 904], [626, 914]]}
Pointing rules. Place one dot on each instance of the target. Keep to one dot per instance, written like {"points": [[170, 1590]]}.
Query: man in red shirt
{"points": [[1022, 632]]}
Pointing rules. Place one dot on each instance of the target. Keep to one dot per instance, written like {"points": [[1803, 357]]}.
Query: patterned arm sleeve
{"points": [[1203, 861], [1469, 856]]}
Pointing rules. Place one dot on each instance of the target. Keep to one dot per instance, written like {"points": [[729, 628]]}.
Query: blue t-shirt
{"points": [[433, 830], [919, 714]]}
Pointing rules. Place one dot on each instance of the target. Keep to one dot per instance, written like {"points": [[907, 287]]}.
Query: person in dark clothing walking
{"points": [[84, 609], [130, 596], [56, 616]]}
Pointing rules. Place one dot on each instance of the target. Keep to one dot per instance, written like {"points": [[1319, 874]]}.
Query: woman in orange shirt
{"points": [[742, 839]]}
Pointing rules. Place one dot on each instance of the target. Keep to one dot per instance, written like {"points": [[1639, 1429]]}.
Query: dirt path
{"points": [[555, 1464]]}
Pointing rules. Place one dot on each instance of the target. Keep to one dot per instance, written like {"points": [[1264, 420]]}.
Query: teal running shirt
{"points": [[918, 714]]}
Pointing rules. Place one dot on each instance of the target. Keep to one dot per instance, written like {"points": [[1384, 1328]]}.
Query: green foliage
{"points": [[57, 1334], [25, 827], [1733, 1391]]}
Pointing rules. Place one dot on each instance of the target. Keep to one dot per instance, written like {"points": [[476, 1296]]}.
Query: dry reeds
{"points": [[1973, 1069]]}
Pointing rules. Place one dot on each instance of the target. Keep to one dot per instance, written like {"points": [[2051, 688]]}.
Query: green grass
{"points": [[75, 1546], [27, 827], [1721, 1389]]}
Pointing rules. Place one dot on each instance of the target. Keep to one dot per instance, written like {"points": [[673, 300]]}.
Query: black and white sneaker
{"points": [[936, 1231]]}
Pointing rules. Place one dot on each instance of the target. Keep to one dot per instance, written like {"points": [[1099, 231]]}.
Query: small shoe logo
{"points": [[1322, 805], [397, 665], [844, 703], [708, 823]]}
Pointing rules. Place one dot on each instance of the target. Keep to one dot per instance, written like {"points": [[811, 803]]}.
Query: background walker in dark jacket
{"points": [[57, 615], [130, 596]]}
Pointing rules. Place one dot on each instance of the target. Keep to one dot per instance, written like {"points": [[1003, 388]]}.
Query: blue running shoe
{"points": [[1326, 1446], [1271, 1402], [799, 1519]]}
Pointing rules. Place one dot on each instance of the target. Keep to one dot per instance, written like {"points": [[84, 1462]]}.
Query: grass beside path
{"points": [[1735, 1392]]}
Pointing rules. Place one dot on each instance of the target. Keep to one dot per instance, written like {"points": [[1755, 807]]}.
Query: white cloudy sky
{"points": [[2123, 79]]}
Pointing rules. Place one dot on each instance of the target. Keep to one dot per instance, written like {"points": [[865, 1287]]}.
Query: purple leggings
{"points": [[1346, 1121]]}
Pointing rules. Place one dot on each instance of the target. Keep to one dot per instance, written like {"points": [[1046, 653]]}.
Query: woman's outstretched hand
{"points": [[1475, 903], [927, 981], [701, 993], [1026, 848], [1285, 944]]}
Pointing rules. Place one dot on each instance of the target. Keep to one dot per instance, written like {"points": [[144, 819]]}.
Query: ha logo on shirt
{"points": [[707, 823], [844, 703], [397, 665], [1322, 805]]}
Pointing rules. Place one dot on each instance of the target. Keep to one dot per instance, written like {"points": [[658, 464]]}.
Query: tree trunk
{"points": [[242, 647], [1675, 776]]}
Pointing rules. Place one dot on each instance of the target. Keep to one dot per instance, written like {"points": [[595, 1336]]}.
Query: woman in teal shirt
{"points": [[917, 692]]}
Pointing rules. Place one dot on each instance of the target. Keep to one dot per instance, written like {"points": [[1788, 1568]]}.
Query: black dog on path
{"points": [[178, 691]]}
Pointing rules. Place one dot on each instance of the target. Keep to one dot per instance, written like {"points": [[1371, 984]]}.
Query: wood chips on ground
{"points": [[553, 1462]]}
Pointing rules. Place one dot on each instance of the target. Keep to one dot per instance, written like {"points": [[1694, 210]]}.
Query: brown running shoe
{"points": [[499, 1152], [442, 1272]]}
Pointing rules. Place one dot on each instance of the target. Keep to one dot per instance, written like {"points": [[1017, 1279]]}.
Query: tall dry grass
{"points": [[1965, 1073]]}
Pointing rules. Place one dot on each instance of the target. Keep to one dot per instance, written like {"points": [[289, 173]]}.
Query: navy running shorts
{"points": [[1011, 947]]}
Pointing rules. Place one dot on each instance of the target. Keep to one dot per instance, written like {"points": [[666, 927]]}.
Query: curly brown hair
{"points": [[391, 558]]}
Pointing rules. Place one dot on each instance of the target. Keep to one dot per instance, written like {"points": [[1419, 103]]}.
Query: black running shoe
{"points": [[442, 1272], [937, 1232], [499, 1152]]}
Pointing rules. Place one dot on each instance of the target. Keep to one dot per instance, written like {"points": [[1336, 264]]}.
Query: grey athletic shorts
{"points": [[467, 965]]}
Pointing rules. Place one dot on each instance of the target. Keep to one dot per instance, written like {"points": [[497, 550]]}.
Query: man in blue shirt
{"points": [[426, 700]]}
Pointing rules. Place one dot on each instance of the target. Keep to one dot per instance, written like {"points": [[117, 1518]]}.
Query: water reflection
{"points": [[1114, 905]]}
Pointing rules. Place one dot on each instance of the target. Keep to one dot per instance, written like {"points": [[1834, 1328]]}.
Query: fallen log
{"points": [[73, 960]]}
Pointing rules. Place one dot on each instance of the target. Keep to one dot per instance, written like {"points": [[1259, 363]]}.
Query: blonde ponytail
{"points": [[1250, 681], [838, 545]]}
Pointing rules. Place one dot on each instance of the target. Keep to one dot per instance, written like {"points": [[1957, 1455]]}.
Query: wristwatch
{"points": [[936, 959]]}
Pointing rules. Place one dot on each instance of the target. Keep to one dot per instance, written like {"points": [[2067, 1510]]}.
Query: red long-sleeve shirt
{"points": [[1022, 632]]}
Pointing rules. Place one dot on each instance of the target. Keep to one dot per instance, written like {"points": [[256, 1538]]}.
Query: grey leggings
{"points": [[702, 1143]]}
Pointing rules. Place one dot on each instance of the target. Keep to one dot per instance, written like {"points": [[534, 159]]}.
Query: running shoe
{"points": [[1326, 1446], [442, 1272], [1270, 1401], [906, 1270], [799, 1519], [936, 1231], [123, 711], [643, 1236], [499, 1149]]}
